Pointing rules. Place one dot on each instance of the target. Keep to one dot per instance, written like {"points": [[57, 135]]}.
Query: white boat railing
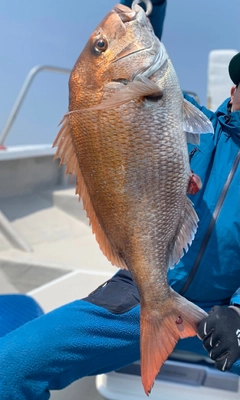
{"points": [[22, 94]]}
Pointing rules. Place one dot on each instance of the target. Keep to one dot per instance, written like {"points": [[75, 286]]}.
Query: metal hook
{"points": [[147, 3]]}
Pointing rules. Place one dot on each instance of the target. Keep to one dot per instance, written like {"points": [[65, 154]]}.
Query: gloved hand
{"points": [[220, 332]]}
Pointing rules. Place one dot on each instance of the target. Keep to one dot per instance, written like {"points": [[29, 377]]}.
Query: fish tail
{"points": [[161, 330]]}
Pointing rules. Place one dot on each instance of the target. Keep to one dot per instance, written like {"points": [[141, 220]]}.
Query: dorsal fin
{"points": [[66, 153]]}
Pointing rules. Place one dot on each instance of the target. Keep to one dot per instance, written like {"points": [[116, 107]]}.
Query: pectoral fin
{"points": [[127, 92], [195, 123]]}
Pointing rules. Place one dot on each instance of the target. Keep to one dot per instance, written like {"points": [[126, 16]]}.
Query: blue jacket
{"points": [[209, 274]]}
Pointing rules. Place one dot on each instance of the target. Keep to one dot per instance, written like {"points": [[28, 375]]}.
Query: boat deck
{"points": [[44, 232]]}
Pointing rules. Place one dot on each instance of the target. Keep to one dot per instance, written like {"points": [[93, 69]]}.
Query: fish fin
{"points": [[127, 92], [160, 333], [65, 150], [186, 232], [195, 123], [66, 153]]}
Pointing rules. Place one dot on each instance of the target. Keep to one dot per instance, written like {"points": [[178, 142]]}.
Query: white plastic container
{"points": [[219, 82], [177, 380]]}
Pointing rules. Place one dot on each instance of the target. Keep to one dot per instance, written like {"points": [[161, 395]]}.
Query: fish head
{"points": [[121, 48]]}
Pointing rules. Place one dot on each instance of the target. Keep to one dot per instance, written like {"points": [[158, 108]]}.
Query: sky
{"points": [[54, 32]]}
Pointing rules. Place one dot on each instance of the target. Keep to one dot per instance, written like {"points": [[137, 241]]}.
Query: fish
{"points": [[125, 138]]}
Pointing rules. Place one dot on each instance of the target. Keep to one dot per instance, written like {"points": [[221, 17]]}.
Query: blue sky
{"points": [[54, 32]]}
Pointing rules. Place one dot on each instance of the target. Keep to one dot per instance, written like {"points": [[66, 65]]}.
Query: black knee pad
{"points": [[118, 295]]}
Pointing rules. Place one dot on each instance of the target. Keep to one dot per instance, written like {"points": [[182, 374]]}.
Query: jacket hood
{"points": [[230, 121]]}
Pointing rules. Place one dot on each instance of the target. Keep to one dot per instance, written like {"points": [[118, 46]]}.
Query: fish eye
{"points": [[101, 45]]}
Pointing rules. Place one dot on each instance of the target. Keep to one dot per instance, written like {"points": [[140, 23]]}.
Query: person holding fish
{"points": [[124, 137]]}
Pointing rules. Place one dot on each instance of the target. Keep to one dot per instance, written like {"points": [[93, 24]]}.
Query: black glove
{"points": [[220, 332]]}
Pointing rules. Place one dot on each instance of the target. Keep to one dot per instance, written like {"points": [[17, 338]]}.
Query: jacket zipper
{"points": [[211, 225]]}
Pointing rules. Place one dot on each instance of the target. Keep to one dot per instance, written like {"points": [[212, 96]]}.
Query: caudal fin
{"points": [[161, 330]]}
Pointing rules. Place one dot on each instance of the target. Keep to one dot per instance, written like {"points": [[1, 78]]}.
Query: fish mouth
{"points": [[127, 15], [157, 49]]}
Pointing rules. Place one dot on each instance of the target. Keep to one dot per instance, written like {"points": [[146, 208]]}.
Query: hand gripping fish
{"points": [[124, 137]]}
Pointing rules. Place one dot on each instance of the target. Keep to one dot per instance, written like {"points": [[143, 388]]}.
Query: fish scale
{"points": [[124, 137]]}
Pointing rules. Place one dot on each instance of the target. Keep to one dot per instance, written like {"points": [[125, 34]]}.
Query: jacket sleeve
{"points": [[157, 15]]}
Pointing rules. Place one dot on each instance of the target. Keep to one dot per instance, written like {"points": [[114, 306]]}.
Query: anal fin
{"points": [[184, 236]]}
